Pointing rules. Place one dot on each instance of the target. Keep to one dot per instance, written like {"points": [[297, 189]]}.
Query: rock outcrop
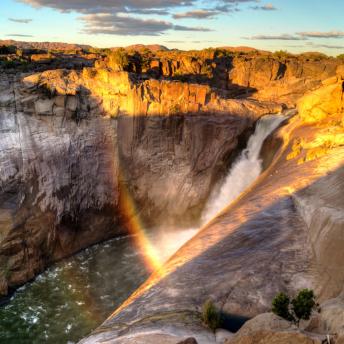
{"points": [[275, 337], [261, 75], [269, 328]]}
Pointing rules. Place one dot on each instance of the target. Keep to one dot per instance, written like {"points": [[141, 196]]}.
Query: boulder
{"points": [[275, 337], [268, 328], [266, 321], [331, 318]]}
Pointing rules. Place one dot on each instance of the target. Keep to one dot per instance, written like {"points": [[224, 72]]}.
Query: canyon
{"points": [[80, 142]]}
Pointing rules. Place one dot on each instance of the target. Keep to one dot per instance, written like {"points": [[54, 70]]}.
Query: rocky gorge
{"points": [[76, 144]]}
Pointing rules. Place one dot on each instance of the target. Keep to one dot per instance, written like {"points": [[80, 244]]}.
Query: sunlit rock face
{"points": [[261, 75], [285, 80], [321, 205], [283, 234], [70, 143]]}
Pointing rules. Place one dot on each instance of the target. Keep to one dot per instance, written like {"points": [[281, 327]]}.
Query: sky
{"points": [[292, 25]]}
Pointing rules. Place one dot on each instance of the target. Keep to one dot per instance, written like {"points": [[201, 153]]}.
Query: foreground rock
{"points": [[269, 328], [273, 337], [273, 238]]}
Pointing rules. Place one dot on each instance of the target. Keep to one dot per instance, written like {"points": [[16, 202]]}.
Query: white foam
{"points": [[246, 169]]}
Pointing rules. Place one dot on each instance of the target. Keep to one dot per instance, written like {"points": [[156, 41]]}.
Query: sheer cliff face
{"points": [[69, 143], [59, 183]]}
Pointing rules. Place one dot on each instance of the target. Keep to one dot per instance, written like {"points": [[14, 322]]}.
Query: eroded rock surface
{"points": [[280, 235], [261, 75], [269, 328]]}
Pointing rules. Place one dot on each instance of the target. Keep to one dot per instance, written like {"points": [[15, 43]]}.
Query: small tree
{"points": [[282, 54], [300, 308], [303, 304], [211, 316], [280, 306]]}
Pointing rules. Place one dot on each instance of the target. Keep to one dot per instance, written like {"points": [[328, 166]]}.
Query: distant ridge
{"points": [[240, 48], [44, 45], [151, 47], [243, 49]]}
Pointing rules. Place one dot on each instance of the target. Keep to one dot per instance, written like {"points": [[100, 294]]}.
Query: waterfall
{"points": [[245, 169], [244, 172]]}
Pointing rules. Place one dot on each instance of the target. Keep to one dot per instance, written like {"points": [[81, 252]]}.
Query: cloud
{"points": [[300, 36], [18, 35], [128, 6], [318, 34], [196, 14], [327, 46], [113, 17], [236, 2], [21, 21], [266, 7], [101, 6], [153, 11], [283, 37], [226, 6], [113, 24], [192, 28], [122, 17]]}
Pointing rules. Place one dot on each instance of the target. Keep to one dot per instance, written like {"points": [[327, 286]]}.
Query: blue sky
{"points": [[293, 25]]}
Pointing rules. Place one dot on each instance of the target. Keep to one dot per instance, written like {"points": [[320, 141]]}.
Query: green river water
{"points": [[73, 297]]}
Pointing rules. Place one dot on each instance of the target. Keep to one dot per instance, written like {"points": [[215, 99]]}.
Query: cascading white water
{"points": [[245, 169], [244, 172]]}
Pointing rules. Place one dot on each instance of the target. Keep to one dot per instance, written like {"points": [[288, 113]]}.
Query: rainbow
{"points": [[134, 226]]}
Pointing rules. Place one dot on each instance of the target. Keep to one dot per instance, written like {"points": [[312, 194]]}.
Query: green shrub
{"points": [[280, 306], [282, 54], [313, 56], [340, 57], [303, 304], [300, 307], [211, 316]]}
